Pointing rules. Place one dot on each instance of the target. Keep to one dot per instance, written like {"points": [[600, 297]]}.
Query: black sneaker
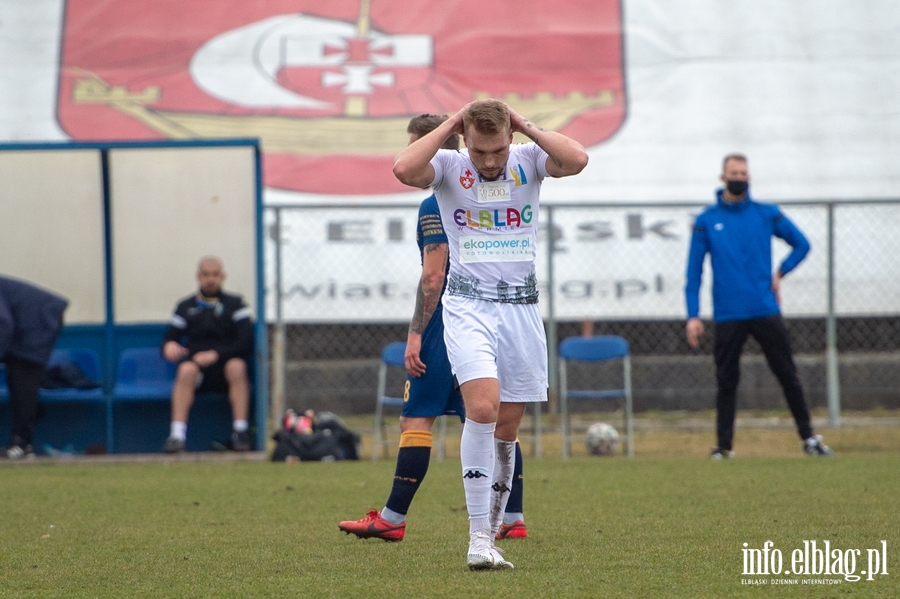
{"points": [[814, 446], [20, 451], [240, 441], [173, 445], [721, 454]]}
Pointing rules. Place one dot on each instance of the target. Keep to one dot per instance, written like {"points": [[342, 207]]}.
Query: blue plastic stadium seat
{"points": [[143, 374], [596, 350], [392, 356]]}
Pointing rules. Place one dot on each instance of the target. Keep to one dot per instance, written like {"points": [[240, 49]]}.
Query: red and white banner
{"points": [[329, 87]]}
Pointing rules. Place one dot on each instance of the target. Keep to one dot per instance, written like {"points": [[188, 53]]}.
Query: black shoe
{"points": [[814, 446], [174, 445], [240, 441], [721, 454]]}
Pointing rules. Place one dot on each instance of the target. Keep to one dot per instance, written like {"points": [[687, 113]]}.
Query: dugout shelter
{"points": [[118, 229]]}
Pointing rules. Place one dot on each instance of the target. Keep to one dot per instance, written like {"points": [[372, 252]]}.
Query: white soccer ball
{"points": [[602, 439]]}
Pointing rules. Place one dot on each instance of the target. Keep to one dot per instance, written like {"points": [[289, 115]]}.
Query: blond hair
{"points": [[488, 117]]}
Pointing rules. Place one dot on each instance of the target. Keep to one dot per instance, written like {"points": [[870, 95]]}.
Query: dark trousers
{"points": [[773, 338], [23, 378]]}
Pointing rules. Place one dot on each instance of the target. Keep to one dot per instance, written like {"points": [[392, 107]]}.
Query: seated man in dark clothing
{"points": [[218, 335], [30, 322]]}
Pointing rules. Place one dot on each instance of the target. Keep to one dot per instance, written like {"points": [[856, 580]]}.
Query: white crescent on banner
{"points": [[241, 66]]}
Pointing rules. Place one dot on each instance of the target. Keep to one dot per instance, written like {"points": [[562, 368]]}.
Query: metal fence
{"points": [[341, 278]]}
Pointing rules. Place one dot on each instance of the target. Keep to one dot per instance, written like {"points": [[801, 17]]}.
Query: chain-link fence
{"points": [[341, 282]]}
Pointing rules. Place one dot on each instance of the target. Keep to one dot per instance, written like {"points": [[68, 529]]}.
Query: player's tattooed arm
{"points": [[417, 324], [428, 293], [530, 130]]}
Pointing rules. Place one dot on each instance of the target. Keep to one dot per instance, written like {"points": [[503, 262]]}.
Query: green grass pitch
{"points": [[598, 527]]}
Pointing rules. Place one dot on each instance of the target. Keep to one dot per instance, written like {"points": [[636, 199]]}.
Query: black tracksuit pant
{"points": [[23, 378], [773, 338]]}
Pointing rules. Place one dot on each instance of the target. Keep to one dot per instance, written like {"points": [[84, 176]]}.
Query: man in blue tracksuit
{"points": [[737, 233]]}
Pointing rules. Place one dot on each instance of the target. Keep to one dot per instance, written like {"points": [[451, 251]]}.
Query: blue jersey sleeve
{"points": [[694, 275], [429, 228], [784, 229]]}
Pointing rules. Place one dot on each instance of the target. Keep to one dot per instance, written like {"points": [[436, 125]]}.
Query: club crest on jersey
{"points": [[329, 87], [466, 179]]}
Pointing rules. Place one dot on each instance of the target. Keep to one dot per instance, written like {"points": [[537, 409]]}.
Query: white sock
{"points": [[505, 452], [178, 430], [476, 452], [392, 516], [240, 426]]}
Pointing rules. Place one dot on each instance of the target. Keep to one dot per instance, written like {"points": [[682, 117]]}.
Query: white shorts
{"points": [[499, 341]]}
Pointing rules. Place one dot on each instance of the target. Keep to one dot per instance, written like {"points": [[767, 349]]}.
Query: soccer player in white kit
{"points": [[488, 194]]}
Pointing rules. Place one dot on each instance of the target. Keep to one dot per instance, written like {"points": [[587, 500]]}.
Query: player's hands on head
{"points": [[457, 120], [517, 122]]}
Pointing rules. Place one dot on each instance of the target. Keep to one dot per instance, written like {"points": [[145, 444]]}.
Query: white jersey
{"points": [[491, 226]]}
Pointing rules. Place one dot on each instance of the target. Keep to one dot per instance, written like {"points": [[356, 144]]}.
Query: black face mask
{"points": [[736, 188]]}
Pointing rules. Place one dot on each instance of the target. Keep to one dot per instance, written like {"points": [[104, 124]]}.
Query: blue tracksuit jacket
{"points": [[30, 320], [738, 238]]}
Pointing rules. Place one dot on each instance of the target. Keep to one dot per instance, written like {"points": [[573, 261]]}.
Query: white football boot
{"points": [[483, 555]]}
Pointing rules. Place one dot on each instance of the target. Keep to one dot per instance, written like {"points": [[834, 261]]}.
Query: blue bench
{"points": [[76, 408], [131, 417], [143, 375], [86, 359], [141, 406]]}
